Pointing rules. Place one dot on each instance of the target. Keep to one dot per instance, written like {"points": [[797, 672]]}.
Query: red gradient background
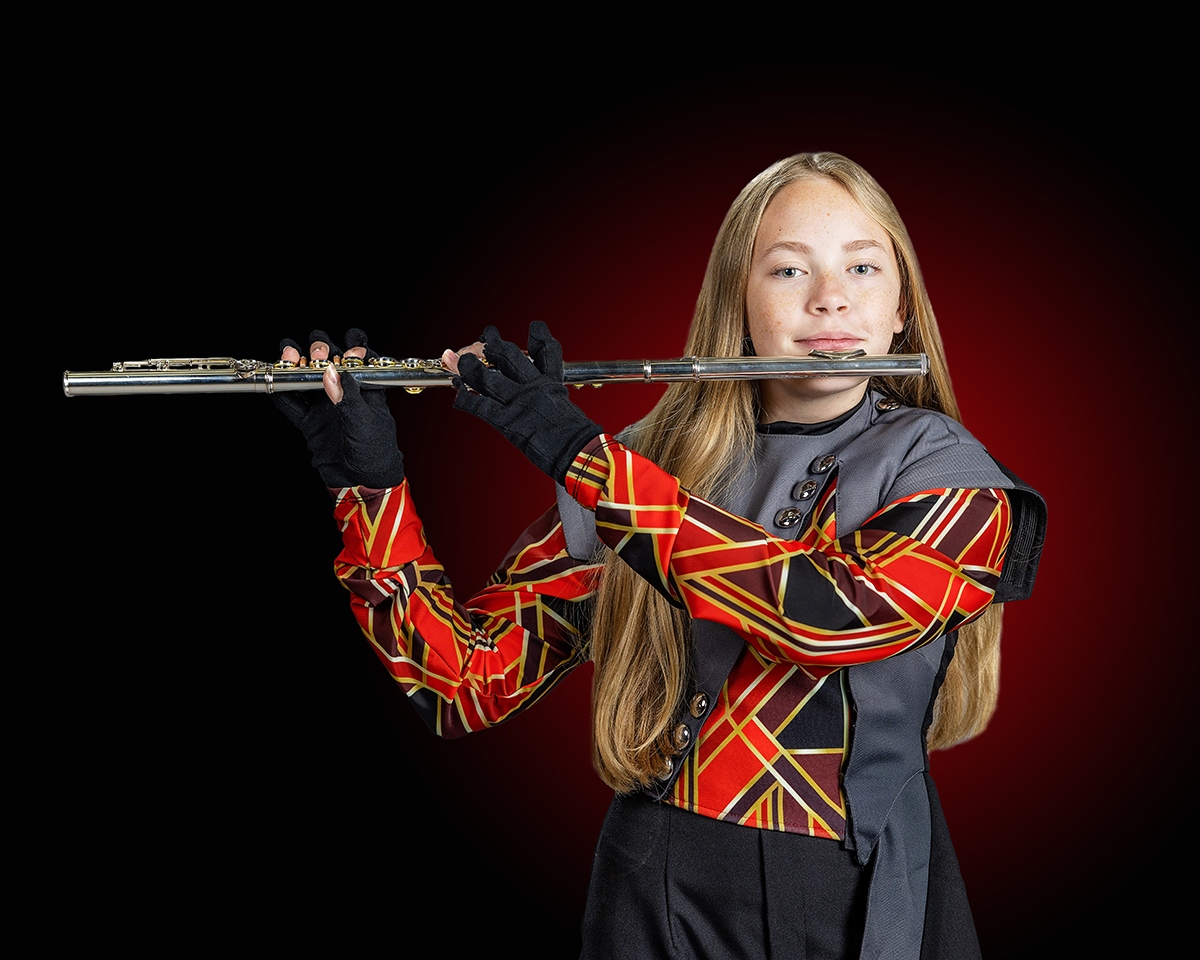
{"points": [[225, 715]]}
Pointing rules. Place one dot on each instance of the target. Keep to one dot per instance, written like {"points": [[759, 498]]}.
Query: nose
{"points": [[828, 295]]}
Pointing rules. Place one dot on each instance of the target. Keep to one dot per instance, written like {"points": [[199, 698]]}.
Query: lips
{"points": [[832, 343]]}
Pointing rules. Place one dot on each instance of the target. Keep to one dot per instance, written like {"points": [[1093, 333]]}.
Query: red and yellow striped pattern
{"points": [[771, 753], [486, 659]]}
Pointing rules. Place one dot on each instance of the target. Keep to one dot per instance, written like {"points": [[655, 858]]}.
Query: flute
{"points": [[228, 375]]}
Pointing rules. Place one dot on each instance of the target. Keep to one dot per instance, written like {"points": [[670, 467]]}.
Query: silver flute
{"points": [[227, 375]]}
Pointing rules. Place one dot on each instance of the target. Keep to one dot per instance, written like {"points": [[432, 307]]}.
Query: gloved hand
{"points": [[353, 442], [526, 401]]}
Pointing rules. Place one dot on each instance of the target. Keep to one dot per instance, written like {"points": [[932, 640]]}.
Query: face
{"points": [[823, 277]]}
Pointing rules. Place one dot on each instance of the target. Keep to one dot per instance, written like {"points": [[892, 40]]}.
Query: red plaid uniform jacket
{"points": [[919, 567]]}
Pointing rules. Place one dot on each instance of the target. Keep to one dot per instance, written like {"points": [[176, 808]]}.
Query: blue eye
{"points": [[788, 273], [864, 269]]}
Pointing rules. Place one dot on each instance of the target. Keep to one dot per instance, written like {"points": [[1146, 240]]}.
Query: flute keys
{"points": [[414, 363]]}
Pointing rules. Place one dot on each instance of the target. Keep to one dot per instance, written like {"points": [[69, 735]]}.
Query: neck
{"points": [[799, 401]]}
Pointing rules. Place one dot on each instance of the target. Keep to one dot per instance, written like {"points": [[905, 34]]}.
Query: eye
{"points": [[864, 269], [789, 273]]}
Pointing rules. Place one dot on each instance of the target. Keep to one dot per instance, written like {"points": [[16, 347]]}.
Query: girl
{"points": [[789, 589]]}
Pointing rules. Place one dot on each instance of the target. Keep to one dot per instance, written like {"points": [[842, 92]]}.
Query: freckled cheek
{"points": [[884, 305], [765, 313], [767, 331]]}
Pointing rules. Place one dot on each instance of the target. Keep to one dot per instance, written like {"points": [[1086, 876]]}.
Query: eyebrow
{"points": [[797, 247]]}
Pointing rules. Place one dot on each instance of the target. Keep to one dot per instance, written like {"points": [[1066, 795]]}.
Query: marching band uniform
{"points": [[825, 592]]}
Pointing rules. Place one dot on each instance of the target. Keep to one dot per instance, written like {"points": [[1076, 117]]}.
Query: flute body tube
{"points": [[228, 375]]}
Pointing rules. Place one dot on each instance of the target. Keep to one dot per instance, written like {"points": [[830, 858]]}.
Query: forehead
{"points": [[816, 206]]}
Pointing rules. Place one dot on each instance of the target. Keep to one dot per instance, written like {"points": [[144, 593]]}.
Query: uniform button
{"points": [[788, 517], [886, 403], [823, 464], [668, 769], [682, 736], [804, 489], [698, 706]]}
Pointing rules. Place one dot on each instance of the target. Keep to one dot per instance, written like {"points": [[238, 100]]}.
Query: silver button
{"points": [[804, 489], [682, 736], [668, 769], [823, 464], [788, 517], [699, 705]]}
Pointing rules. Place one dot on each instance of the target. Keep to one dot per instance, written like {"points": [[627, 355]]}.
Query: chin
{"points": [[811, 400]]}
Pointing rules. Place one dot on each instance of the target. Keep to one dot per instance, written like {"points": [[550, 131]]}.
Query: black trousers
{"points": [[672, 885]]}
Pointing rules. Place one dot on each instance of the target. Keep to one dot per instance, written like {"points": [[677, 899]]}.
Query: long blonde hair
{"points": [[700, 433]]}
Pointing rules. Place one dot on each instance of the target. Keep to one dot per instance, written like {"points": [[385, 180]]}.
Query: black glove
{"points": [[527, 402], [353, 443]]}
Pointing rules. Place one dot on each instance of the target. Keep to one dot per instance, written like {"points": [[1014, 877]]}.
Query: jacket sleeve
{"points": [[919, 567], [465, 664]]}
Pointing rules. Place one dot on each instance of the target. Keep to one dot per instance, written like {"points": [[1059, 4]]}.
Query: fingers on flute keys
{"points": [[450, 358], [321, 346], [356, 344]]}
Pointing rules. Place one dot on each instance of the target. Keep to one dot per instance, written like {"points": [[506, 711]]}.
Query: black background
{"points": [[210, 741]]}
